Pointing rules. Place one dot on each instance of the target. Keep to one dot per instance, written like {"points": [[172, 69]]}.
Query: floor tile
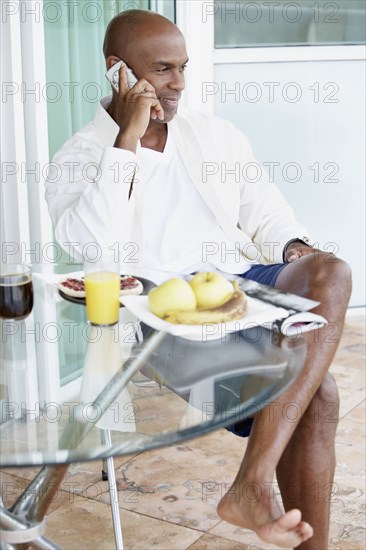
{"points": [[22, 472], [77, 470], [349, 363], [154, 420], [182, 483], [221, 443], [210, 542], [350, 378], [350, 449], [358, 414], [85, 478], [175, 484], [87, 524], [345, 536], [242, 536]]}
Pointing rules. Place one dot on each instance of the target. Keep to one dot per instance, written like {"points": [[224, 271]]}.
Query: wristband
{"points": [[296, 240]]}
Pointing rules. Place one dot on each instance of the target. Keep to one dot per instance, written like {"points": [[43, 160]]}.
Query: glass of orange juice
{"points": [[102, 287]]}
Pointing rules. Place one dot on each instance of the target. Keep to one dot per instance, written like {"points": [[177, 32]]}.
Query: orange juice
{"points": [[102, 297]]}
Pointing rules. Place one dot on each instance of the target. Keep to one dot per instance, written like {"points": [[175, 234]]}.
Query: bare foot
{"points": [[263, 516]]}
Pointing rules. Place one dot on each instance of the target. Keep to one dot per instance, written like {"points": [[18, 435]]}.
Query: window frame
{"points": [[200, 40]]}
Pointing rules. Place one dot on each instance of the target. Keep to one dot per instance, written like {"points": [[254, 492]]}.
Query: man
{"points": [[160, 200]]}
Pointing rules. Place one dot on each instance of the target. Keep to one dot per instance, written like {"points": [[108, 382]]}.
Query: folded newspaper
{"points": [[298, 320]]}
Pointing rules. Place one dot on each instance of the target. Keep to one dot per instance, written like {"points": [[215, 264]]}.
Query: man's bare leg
{"points": [[306, 470], [327, 280]]}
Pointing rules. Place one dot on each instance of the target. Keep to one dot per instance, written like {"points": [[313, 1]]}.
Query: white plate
{"points": [[257, 314]]}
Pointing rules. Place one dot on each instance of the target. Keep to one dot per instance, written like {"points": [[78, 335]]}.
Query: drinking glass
{"points": [[102, 287], [16, 291]]}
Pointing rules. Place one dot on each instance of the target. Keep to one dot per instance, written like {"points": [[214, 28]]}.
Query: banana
{"points": [[234, 308]]}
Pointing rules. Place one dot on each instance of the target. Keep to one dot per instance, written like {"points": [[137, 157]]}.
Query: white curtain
{"points": [[25, 224]]}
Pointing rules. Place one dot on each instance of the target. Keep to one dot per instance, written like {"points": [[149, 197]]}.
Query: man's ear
{"points": [[111, 60]]}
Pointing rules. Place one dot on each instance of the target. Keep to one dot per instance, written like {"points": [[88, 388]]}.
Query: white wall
{"points": [[312, 115]]}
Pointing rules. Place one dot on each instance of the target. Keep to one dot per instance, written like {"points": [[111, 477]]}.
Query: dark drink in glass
{"points": [[16, 291]]}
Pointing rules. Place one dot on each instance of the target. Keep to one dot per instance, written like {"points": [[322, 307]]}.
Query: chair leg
{"points": [[104, 471], [113, 493]]}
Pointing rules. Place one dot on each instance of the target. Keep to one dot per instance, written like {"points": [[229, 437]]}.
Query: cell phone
{"points": [[112, 75]]}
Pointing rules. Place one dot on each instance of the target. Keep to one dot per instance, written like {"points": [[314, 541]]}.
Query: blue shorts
{"points": [[266, 275]]}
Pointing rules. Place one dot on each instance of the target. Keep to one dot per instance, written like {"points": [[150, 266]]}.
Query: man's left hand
{"points": [[296, 250]]}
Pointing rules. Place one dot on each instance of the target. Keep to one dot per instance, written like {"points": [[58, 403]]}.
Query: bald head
{"points": [[154, 49], [128, 28]]}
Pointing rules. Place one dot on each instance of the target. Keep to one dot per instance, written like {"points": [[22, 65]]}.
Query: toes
{"points": [[305, 530], [290, 520], [288, 530], [290, 525]]}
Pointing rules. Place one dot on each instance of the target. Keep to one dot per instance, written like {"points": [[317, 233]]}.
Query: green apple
{"points": [[175, 294], [211, 289]]}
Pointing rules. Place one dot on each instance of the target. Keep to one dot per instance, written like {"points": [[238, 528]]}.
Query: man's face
{"points": [[161, 60]]}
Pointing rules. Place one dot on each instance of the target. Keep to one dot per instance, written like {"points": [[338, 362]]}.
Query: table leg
{"points": [[18, 535], [32, 506], [113, 493], [36, 499], [24, 525]]}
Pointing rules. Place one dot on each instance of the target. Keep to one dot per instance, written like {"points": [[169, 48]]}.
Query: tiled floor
{"points": [[168, 496]]}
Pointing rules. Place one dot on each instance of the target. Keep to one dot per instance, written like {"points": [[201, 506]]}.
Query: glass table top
{"points": [[63, 381]]}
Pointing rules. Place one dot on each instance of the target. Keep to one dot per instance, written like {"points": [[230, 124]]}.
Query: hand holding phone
{"points": [[112, 75], [133, 114]]}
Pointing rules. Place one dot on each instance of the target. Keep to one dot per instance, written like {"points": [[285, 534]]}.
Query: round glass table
{"points": [[71, 391]]}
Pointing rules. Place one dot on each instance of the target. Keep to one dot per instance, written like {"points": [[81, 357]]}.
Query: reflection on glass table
{"points": [[199, 386]]}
